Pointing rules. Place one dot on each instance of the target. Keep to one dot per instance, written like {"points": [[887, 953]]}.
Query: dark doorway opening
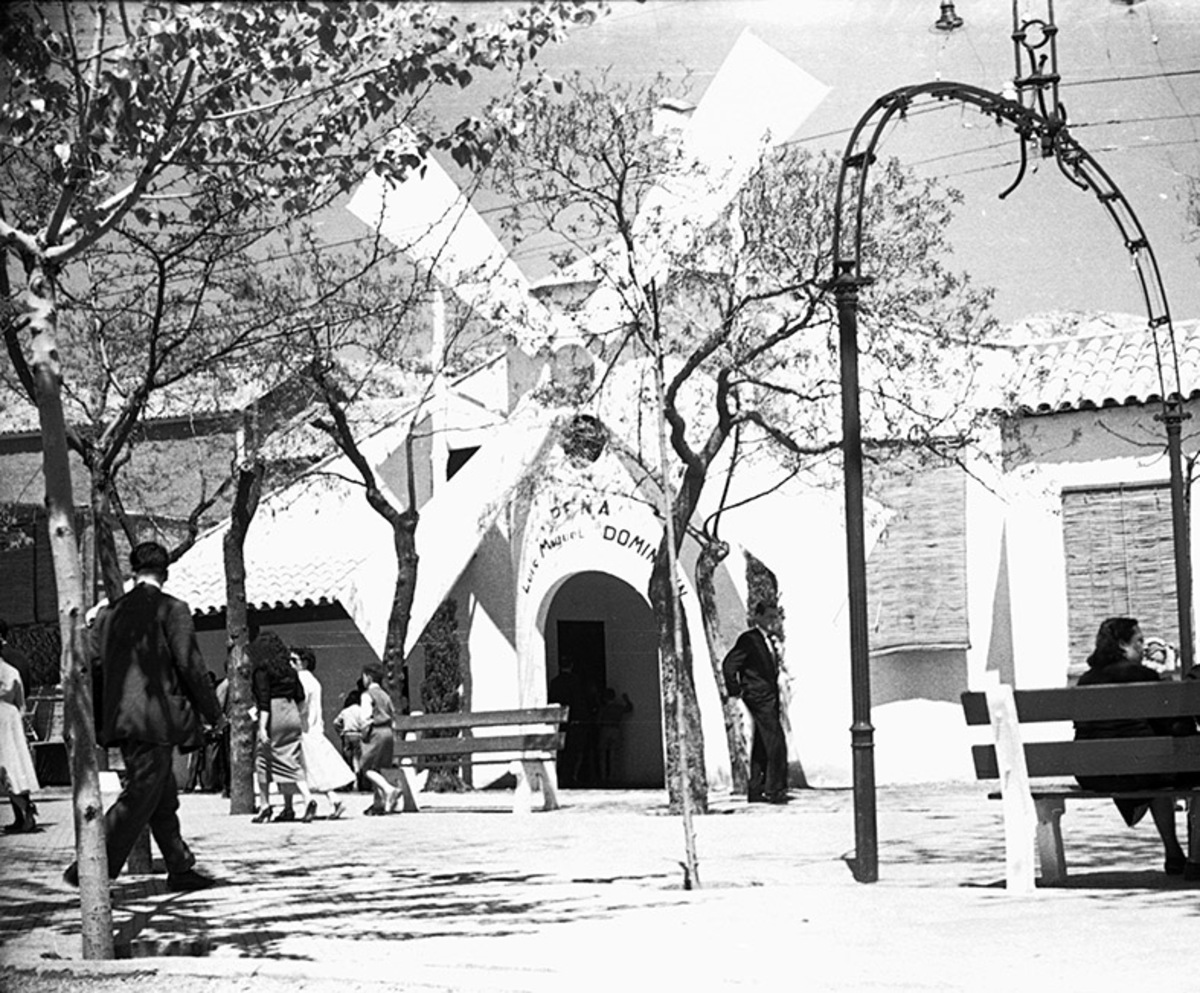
{"points": [[581, 643], [579, 684], [607, 631]]}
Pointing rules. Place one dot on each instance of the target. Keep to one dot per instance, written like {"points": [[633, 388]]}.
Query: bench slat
{"points": [[1095, 703], [1078, 793], [483, 718], [1098, 757], [548, 742]]}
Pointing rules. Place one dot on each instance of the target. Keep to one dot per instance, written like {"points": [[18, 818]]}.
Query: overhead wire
{"points": [[1168, 79], [1163, 73]]}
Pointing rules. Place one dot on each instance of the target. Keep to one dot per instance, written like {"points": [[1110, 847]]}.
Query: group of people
{"points": [[591, 748], [754, 672], [154, 696], [292, 751]]}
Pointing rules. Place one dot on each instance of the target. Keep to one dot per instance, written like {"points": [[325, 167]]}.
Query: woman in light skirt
{"points": [[323, 766], [17, 775]]}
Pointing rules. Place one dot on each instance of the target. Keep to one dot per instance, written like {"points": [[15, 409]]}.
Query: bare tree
{"points": [[735, 313], [126, 109]]}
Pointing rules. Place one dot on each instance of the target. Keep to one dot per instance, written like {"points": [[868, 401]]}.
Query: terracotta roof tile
{"points": [[271, 584], [1084, 363]]}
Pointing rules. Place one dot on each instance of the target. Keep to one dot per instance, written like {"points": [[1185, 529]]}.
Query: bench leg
{"points": [[1193, 829], [549, 789], [532, 775], [523, 792], [1051, 857], [410, 798]]}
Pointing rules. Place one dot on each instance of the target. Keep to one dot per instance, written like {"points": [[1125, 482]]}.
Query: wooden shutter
{"points": [[1120, 554], [917, 574]]}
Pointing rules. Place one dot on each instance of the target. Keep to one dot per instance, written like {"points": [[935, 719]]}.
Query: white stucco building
{"points": [[546, 551]]}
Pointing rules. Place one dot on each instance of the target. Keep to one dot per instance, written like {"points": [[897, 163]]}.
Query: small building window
{"points": [[458, 458], [1120, 558], [917, 573]]}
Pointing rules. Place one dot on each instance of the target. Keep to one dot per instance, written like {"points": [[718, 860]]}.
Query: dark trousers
{"points": [[768, 752], [149, 798], [569, 764]]}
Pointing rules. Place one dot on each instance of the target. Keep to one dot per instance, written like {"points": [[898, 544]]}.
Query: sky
{"points": [[1130, 85]]}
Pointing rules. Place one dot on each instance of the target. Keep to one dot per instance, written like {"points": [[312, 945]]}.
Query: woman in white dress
{"points": [[324, 768], [17, 776]]}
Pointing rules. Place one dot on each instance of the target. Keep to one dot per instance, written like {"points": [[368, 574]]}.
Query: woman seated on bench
{"points": [[1118, 659]]}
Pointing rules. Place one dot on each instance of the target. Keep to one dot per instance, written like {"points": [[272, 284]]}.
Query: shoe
{"points": [[1174, 866], [756, 798], [393, 800], [1191, 870], [188, 882], [24, 821], [310, 812], [373, 811], [263, 815], [336, 812], [778, 798], [287, 814]]}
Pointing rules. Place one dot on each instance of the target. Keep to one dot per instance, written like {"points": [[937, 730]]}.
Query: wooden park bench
{"points": [[47, 744], [1036, 777], [527, 739]]}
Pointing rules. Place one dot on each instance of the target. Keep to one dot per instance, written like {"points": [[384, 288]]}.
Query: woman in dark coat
{"points": [[277, 696], [1117, 658]]}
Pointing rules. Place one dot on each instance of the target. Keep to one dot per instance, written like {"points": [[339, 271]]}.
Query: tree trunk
{"points": [[90, 854], [237, 627], [404, 537], [111, 573], [677, 681], [712, 554]]}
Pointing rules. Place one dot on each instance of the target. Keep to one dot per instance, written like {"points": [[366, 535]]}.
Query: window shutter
{"points": [[917, 574], [1120, 556]]}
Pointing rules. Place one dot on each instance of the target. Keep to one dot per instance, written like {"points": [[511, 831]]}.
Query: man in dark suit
{"points": [[154, 689], [751, 671]]}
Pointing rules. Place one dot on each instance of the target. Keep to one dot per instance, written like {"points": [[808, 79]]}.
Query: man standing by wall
{"points": [[751, 671], [154, 690]]}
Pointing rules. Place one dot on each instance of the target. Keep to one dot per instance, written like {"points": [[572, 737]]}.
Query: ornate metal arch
{"points": [[1053, 140], [1037, 116]]}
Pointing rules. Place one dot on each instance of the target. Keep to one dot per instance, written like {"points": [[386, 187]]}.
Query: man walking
{"points": [[154, 690], [751, 671]]}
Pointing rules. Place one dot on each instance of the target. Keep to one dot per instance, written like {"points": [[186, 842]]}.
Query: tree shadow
{"points": [[268, 910]]}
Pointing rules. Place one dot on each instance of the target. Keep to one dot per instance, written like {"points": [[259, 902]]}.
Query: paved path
{"points": [[467, 896]]}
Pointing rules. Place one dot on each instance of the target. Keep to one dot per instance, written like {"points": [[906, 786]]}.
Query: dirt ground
{"points": [[153, 981]]}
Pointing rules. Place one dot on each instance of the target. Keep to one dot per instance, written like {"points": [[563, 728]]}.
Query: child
{"points": [[350, 723]]}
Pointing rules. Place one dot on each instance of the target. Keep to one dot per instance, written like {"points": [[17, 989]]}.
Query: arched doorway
{"points": [[607, 631]]}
